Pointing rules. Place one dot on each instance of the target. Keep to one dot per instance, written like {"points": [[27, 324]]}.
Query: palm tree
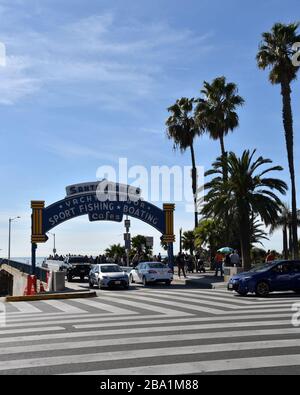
{"points": [[284, 222], [208, 234], [217, 111], [115, 251], [188, 241], [276, 53], [246, 193], [139, 244], [182, 129]]}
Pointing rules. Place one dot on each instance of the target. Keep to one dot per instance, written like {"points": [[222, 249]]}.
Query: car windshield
{"points": [[111, 269], [78, 260], [261, 268], [156, 265]]}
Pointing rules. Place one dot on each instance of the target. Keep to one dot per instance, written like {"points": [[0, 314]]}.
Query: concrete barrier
{"points": [[14, 282], [229, 272]]}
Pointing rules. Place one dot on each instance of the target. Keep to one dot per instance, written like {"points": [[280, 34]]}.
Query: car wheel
{"points": [[145, 282], [126, 286], [168, 282], [91, 285], [82, 279], [69, 278], [297, 291], [262, 289], [131, 279]]}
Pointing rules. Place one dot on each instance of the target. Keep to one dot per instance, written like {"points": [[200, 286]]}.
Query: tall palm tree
{"points": [[182, 129], [284, 222], [276, 53], [217, 110], [246, 193]]}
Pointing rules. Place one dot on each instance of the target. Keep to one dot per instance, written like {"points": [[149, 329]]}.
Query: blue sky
{"points": [[89, 82]]}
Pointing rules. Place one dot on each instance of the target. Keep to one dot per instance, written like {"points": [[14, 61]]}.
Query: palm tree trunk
{"points": [[290, 241], [285, 243], [245, 242], [225, 178], [224, 156], [194, 184], [289, 138]]}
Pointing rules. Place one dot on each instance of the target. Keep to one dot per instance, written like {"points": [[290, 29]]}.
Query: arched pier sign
{"points": [[101, 201]]}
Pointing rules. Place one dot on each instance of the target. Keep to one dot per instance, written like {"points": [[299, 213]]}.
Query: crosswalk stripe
{"points": [[203, 294], [25, 307], [203, 366], [139, 320], [132, 341], [144, 306], [211, 336], [65, 307], [103, 306], [191, 327], [178, 321], [30, 330], [143, 354], [173, 304]]}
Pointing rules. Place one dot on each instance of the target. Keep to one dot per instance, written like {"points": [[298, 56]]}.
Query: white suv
{"points": [[151, 272]]}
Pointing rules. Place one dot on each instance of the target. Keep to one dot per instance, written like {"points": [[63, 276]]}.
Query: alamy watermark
{"points": [[296, 315], [296, 56], [156, 184], [2, 315], [2, 54]]}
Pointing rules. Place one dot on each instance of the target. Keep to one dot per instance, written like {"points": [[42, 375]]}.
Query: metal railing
{"points": [[40, 272]]}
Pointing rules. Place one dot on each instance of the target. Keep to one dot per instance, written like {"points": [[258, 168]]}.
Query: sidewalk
{"points": [[203, 281]]}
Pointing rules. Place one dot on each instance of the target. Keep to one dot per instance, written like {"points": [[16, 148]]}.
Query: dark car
{"points": [[77, 267], [274, 277]]}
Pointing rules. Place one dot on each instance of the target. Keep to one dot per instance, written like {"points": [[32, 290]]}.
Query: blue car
{"points": [[276, 276]]}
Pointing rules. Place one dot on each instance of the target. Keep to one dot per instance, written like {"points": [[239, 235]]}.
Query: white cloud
{"points": [[98, 58]]}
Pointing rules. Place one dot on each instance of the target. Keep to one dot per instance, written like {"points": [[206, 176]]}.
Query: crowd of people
{"points": [[189, 264], [185, 263]]}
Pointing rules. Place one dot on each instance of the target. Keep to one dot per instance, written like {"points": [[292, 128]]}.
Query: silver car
{"points": [[150, 273], [108, 276]]}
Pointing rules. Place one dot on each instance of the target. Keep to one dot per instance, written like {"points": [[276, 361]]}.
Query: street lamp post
{"points": [[54, 243], [9, 236]]}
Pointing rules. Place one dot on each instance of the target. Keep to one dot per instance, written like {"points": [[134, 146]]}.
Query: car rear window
{"points": [[111, 269], [156, 266]]}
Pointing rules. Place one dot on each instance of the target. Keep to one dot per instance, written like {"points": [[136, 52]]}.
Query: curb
{"points": [[70, 295]]}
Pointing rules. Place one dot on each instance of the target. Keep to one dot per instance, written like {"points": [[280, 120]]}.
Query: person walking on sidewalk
{"points": [[219, 264], [181, 265]]}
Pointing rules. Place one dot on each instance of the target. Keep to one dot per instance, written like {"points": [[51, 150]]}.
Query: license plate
{"points": [[82, 271], [117, 282], [230, 286]]}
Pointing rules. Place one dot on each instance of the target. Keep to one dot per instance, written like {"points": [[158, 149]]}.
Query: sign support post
{"points": [[37, 230], [169, 236]]}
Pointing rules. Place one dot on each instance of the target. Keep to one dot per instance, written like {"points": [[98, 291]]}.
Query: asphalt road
{"points": [[153, 330]]}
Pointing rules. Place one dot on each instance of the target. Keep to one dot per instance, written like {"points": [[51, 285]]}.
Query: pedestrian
{"points": [[200, 266], [190, 264], [227, 261], [159, 257], [270, 257], [235, 259], [180, 261], [219, 264]]}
